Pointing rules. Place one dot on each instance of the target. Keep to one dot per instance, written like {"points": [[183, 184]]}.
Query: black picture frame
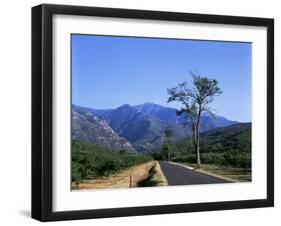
{"points": [[42, 111]]}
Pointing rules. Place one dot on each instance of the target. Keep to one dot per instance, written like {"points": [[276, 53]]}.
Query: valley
{"points": [[111, 146]]}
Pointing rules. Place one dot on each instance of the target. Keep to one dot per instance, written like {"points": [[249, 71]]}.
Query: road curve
{"points": [[179, 175]]}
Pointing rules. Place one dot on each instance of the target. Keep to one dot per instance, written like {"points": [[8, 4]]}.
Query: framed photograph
{"points": [[145, 112]]}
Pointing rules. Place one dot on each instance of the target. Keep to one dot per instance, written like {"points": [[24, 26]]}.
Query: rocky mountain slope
{"points": [[88, 127]]}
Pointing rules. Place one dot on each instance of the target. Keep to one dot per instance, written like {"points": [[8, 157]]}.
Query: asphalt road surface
{"points": [[179, 175]]}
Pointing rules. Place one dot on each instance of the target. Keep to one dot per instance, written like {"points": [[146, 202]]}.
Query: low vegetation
{"points": [[232, 173], [231, 158], [127, 178], [91, 161]]}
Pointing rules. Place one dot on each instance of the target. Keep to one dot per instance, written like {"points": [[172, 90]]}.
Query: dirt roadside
{"points": [[125, 179]]}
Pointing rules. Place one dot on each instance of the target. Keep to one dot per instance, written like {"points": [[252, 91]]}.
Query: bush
{"points": [[191, 158], [90, 161], [233, 158]]}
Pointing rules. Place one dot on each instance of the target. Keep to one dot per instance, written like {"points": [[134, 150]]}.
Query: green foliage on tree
{"points": [[195, 99]]}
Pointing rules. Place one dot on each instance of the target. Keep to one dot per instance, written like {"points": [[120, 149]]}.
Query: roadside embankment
{"points": [[156, 177], [124, 179]]}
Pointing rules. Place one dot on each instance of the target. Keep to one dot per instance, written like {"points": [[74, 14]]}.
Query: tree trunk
{"points": [[198, 165], [169, 155], [195, 133], [194, 138]]}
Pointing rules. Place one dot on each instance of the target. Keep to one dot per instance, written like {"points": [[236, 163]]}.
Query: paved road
{"points": [[179, 175]]}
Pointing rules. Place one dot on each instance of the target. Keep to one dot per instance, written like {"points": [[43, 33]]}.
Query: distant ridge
{"points": [[169, 115], [141, 126]]}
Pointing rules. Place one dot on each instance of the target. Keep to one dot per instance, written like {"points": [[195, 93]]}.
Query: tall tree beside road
{"points": [[167, 145], [195, 100]]}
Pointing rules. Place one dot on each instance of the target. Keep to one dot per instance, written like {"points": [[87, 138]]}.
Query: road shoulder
{"points": [[160, 176]]}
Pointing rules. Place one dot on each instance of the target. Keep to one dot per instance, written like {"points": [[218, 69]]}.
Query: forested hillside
{"points": [[225, 146]]}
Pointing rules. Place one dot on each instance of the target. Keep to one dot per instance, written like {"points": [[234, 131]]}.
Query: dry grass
{"points": [[159, 176], [229, 173], [156, 178], [125, 179]]}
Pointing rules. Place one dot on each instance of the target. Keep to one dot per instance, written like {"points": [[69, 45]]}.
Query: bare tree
{"points": [[195, 100]]}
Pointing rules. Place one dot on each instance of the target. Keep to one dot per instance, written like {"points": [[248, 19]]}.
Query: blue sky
{"points": [[108, 72]]}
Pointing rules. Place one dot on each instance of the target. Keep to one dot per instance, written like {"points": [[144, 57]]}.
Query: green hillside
{"points": [[237, 136], [225, 146]]}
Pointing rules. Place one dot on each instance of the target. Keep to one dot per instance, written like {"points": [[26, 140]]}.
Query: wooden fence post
{"points": [[130, 180]]}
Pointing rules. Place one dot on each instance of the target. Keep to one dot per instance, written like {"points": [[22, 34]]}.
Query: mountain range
{"points": [[135, 128]]}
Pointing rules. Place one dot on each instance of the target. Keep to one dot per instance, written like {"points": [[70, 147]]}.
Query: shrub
{"points": [[233, 158], [90, 161]]}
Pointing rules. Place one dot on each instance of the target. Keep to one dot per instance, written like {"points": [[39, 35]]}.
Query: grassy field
{"points": [[232, 173]]}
